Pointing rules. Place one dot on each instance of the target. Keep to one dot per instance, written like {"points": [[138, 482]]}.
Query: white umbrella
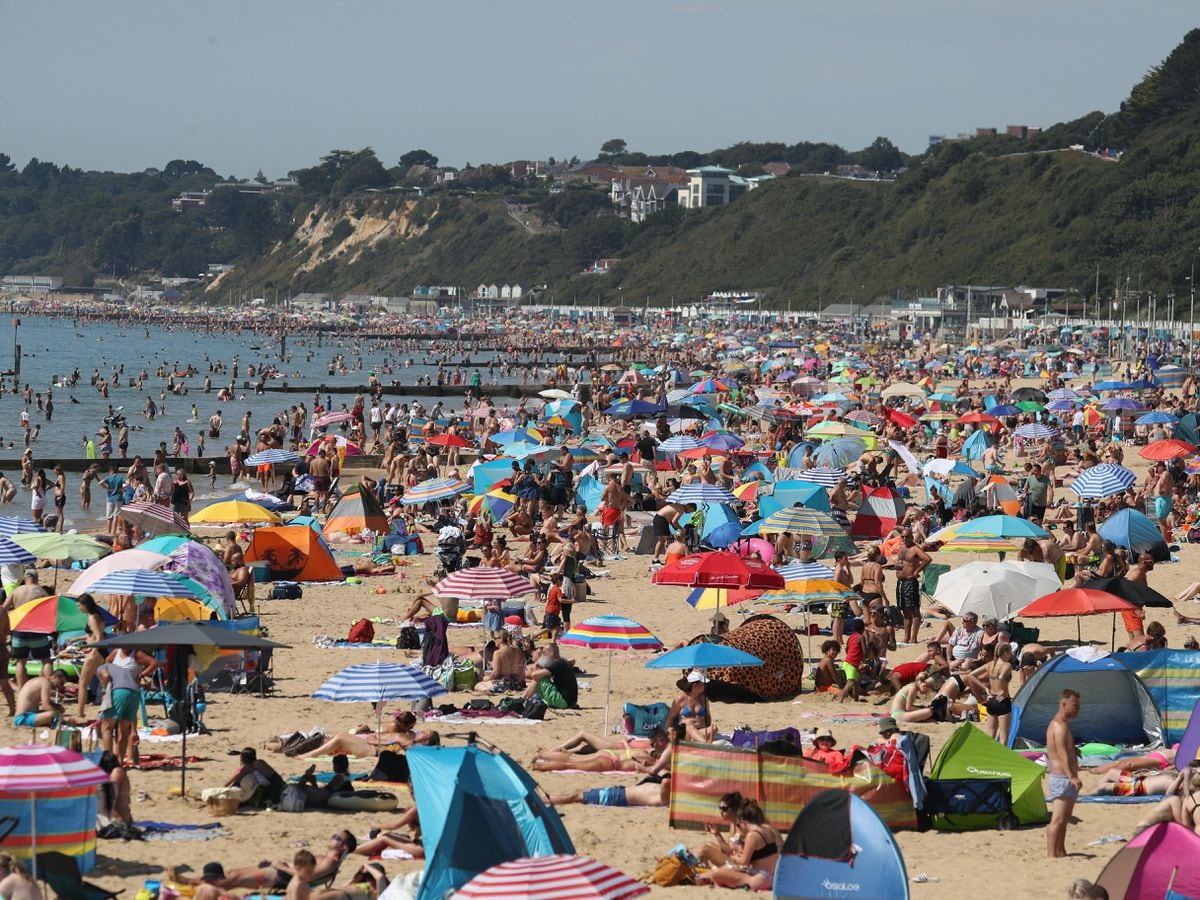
{"points": [[126, 559], [986, 589], [1047, 578]]}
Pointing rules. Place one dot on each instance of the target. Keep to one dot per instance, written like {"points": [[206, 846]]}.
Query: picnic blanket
{"points": [[170, 831]]}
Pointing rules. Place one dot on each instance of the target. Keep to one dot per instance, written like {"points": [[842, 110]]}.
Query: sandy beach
{"points": [[631, 839]]}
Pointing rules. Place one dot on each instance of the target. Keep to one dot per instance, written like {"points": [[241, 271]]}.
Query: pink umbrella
{"points": [[746, 547], [483, 583], [334, 440], [126, 559], [552, 878], [32, 769], [333, 418]]}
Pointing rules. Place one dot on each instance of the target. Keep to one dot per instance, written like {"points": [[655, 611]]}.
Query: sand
{"points": [[631, 839]]}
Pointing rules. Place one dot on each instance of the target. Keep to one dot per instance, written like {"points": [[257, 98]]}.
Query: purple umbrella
{"points": [[204, 567]]}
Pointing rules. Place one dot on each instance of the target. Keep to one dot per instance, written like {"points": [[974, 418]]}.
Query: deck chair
{"points": [[929, 581], [607, 542], [61, 873]]}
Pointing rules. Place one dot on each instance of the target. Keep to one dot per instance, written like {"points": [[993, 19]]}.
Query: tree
{"points": [[261, 178], [881, 156], [417, 158], [612, 147]]}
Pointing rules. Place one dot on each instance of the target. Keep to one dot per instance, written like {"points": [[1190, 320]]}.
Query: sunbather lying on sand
{"points": [[370, 744], [273, 877], [653, 792], [622, 758]]}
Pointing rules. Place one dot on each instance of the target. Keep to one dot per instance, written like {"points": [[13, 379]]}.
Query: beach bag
{"points": [[410, 639], [286, 590], [511, 704], [293, 799], [361, 632], [465, 675], [535, 708], [391, 766], [640, 721], [670, 871], [302, 743]]}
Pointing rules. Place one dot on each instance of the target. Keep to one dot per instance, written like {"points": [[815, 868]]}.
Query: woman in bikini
{"points": [[904, 703], [998, 675], [1178, 806], [752, 865], [871, 587], [691, 709], [623, 759]]}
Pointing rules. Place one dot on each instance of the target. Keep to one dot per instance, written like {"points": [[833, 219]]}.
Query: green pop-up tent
{"points": [[971, 754]]}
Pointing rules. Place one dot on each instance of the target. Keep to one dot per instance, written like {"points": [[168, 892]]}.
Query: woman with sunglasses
{"points": [[716, 852], [753, 864]]}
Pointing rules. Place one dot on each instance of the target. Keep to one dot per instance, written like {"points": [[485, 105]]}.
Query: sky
{"points": [[264, 84]]}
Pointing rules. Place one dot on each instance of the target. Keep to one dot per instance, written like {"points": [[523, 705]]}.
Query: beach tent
{"points": [[1188, 428], [478, 810], [976, 444], [971, 754], [588, 491], [1132, 529], [1001, 495], [881, 509], [716, 515], [1164, 856], [357, 510], [1117, 708], [293, 553], [839, 847], [781, 674], [1173, 679]]}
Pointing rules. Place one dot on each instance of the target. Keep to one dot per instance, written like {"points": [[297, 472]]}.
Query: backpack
{"points": [[361, 632], [286, 590], [293, 799], [410, 639], [671, 870], [535, 708]]}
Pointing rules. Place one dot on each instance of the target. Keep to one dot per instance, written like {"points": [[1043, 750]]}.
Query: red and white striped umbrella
{"points": [[154, 518], [483, 583], [559, 877]]}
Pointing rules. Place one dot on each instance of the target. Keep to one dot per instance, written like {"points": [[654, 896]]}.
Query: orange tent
{"points": [[293, 553], [358, 509]]}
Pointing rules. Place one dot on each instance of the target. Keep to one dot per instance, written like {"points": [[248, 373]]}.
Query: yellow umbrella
{"points": [[179, 609], [235, 511]]}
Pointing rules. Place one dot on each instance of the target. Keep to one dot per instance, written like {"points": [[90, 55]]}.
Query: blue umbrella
{"points": [[148, 584], [1120, 403], [14, 555], [678, 443], [1102, 481], [10, 525], [840, 452], [1156, 418], [1111, 386], [1132, 529], [634, 409], [376, 682], [700, 492], [704, 656], [271, 456], [823, 475], [1005, 409], [800, 571], [724, 534]]}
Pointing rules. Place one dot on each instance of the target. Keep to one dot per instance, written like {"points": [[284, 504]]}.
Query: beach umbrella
{"points": [[899, 418], [434, 489], [798, 571], [1157, 417], [902, 389], [907, 455], [200, 564], [154, 518], [496, 503], [69, 545], [701, 492], [52, 615], [986, 589], [719, 569], [1036, 431], [146, 583], [555, 394], [825, 476], [1103, 480], [30, 770], [992, 526], [333, 418], [1163, 451], [446, 440], [1133, 591], [180, 609], [555, 877], [747, 490], [703, 599], [679, 443], [235, 511], [135, 558], [480, 583], [333, 442], [529, 435], [802, 520], [722, 440], [841, 452], [12, 554], [377, 683], [704, 655], [1136, 531], [808, 591], [1076, 602], [973, 543], [1043, 573], [10, 525], [610, 633], [523, 450], [272, 456]]}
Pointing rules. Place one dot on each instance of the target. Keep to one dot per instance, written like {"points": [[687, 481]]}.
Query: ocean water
{"points": [[51, 349]]}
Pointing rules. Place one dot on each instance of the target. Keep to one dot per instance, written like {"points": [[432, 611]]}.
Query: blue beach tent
{"points": [[1132, 529], [1117, 708], [840, 847], [478, 809]]}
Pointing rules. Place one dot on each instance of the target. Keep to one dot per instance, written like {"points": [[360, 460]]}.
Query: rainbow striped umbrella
{"points": [[552, 878], [610, 633], [434, 489], [52, 615], [496, 503], [32, 769], [747, 490]]}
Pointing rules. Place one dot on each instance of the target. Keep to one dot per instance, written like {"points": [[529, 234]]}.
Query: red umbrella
{"points": [[977, 418], [1076, 602], [903, 419], [448, 440], [483, 583], [1166, 450], [719, 569]]}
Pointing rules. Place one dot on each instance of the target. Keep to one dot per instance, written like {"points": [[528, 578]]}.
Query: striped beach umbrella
{"points": [[747, 490], [801, 520], [513, 435], [798, 571], [146, 583], [678, 443], [480, 583], [70, 545], [377, 683], [840, 452], [722, 440], [1036, 431], [826, 476], [272, 456], [134, 558], [10, 525], [51, 615], [610, 633], [1103, 480], [434, 489], [806, 591], [154, 518], [12, 554], [701, 492], [333, 418], [32, 769], [496, 504], [552, 878], [992, 526]]}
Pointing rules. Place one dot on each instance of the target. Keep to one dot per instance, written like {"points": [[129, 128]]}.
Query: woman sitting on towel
{"points": [[621, 759]]}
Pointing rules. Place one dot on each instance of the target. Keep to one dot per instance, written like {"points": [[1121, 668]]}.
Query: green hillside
{"points": [[991, 210]]}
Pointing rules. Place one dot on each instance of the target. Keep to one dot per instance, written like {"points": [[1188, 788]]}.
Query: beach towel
{"points": [[1110, 798]]}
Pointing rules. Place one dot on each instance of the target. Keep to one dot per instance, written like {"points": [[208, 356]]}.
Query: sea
{"points": [[52, 348]]}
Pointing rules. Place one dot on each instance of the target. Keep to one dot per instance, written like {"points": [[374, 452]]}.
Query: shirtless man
{"points": [[1162, 491], [666, 520], [1062, 770], [235, 563], [319, 469], [613, 503], [911, 562], [276, 877], [647, 793], [36, 707]]}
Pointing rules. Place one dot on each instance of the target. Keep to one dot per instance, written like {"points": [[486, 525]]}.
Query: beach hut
{"points": [[840, 847], [357, 510], [1165, 857], [480, 809], [1117, 707], [293, 553], [972, 755]]}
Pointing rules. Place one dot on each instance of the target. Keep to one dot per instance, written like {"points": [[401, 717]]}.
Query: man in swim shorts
{"points": [[1062, 773], [654, 790], [36, 706]]}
